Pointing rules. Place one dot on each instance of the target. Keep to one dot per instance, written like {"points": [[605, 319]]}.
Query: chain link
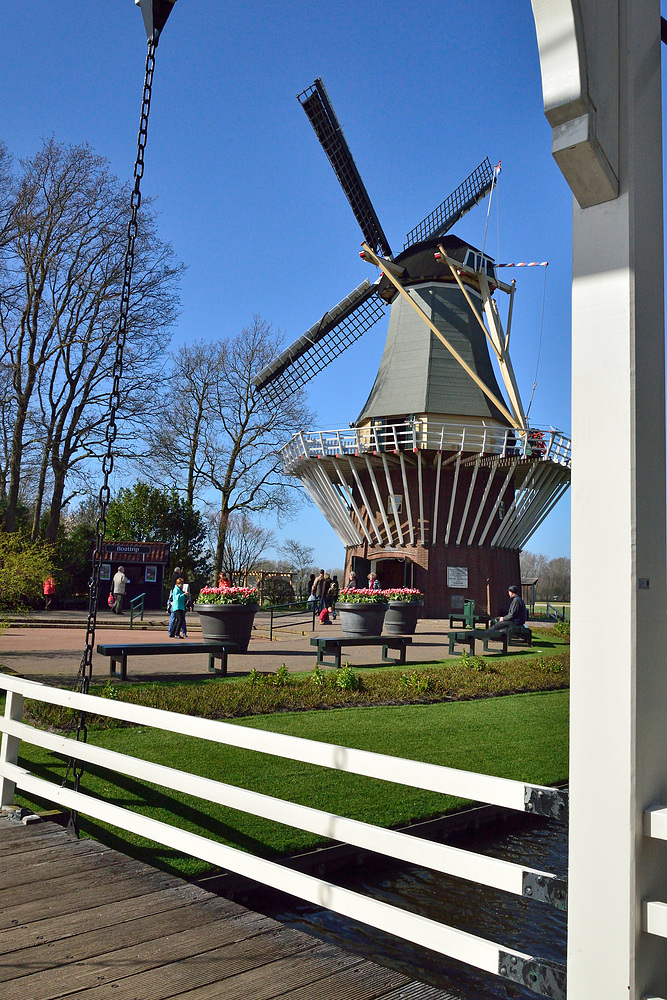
{"points": [[86, 666]]}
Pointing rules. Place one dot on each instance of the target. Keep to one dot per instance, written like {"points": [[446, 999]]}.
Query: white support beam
{"points": [[353, 504], [362, 494], [436, 502], [560, 492], [601, 73], [452, 499], [392, 499], [406, 495], [534, 503], [420, 485], [482, 503], [499, 500], [520, 494], [471, 489], [378, 497]]}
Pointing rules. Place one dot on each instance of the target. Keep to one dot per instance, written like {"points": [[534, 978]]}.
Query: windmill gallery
{"points": [[439, 482]]}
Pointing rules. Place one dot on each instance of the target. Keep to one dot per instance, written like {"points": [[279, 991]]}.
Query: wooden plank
{"points": [[115, 871], [40, 927], [119, 929], [209, 969], [59, 865], [123, 887], [137, 933]]}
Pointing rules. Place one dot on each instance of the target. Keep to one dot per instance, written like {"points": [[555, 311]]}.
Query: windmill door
{"points": [[361, 567]]}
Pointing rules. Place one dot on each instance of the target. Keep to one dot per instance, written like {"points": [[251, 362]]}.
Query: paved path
{"points": [[52, 654], [80, 920], [49, 647]]}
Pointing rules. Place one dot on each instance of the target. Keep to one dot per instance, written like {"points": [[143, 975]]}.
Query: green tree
{"points": [[24, 565], [144, 513]]}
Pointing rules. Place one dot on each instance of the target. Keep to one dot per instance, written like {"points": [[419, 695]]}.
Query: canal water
{"points": [[526, 925]]}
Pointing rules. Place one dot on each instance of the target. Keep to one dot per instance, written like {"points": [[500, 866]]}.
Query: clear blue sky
{"points": [[246, 195]]}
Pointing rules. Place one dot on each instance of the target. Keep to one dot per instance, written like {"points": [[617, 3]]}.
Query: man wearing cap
{"points": [[517, 614]]}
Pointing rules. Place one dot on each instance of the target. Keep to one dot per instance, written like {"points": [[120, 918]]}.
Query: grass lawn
{"points": [[522, 736]]}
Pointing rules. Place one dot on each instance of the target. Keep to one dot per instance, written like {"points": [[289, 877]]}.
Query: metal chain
{"points": [[86, 666]]}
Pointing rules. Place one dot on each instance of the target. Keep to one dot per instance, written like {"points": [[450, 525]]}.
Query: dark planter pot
{"points": [[361, 619], [402, 617], [227, 623]]}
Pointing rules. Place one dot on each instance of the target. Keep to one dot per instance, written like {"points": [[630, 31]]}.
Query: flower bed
{"points": [[228, 595], [406, 594], [365, 596]]}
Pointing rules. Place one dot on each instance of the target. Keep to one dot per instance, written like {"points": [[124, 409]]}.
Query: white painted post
{"points": [[9, 747], [602, 92]]}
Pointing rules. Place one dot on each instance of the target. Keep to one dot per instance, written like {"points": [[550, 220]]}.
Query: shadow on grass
{"points": [[135, 795]]}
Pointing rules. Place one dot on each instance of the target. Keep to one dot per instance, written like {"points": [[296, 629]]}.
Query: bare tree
{"points": [[229, 437], [245, 542], [553, 575], [62, 269], [299, 559]]}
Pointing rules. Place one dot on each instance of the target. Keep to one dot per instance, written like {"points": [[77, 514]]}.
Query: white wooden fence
{"points": [[542, 977]]}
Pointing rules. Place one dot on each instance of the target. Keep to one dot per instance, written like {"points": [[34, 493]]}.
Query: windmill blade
{"points": [[315, 102], [466, 196], [322, 343]]}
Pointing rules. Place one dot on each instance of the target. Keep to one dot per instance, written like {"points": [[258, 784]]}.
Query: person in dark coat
{"points": [[516, 615]]}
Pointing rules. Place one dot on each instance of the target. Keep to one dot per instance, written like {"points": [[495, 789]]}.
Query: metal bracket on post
{"points": [[553, 803], [546, 889], [549, 980]]}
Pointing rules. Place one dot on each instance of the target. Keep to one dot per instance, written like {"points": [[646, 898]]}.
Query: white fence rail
{"points": [[434, 435], [479, 952]]}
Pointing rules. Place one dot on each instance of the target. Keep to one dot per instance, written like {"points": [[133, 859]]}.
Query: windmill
{"points": [[439, 482]]}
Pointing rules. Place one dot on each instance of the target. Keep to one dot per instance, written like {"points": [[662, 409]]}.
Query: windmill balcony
{"points": [[427, 434]]}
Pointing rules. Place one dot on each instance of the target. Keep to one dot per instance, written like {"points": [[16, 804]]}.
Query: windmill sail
{"points": [[322, 343], [446, 215], [315, 102]]}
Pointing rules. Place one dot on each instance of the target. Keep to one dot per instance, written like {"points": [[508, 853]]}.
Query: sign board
{"points": [[457, 576]]}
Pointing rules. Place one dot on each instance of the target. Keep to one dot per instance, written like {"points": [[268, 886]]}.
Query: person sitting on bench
{"points": [[517, 614]]}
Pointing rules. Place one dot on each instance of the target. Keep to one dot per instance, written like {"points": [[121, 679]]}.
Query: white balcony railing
{"points": [[430, 435]]}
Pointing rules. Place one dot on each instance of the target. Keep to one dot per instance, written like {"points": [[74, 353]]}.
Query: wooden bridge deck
{"points": [[78, 919]]}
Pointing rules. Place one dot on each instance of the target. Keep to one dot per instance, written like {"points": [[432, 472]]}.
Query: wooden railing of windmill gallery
{"points": [[542, 888], [430, 435]]}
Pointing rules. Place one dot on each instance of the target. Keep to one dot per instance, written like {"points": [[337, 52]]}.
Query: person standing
{"points": [[319, 590], [177, 619], [49, 589], [119, 583], [352, 581], [516, 615], [332, 597], [373, 582]]}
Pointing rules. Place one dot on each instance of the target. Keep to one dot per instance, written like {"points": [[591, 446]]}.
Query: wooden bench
{"points": [[520, 635], [119, 653], [326, 645], [468, 623], [468, 637]]}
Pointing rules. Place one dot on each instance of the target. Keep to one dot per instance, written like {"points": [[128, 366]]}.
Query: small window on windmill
{"points": [[398, 501]]}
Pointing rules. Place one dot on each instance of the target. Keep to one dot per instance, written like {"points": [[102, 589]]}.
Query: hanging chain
{"points": [[86, 666]]}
